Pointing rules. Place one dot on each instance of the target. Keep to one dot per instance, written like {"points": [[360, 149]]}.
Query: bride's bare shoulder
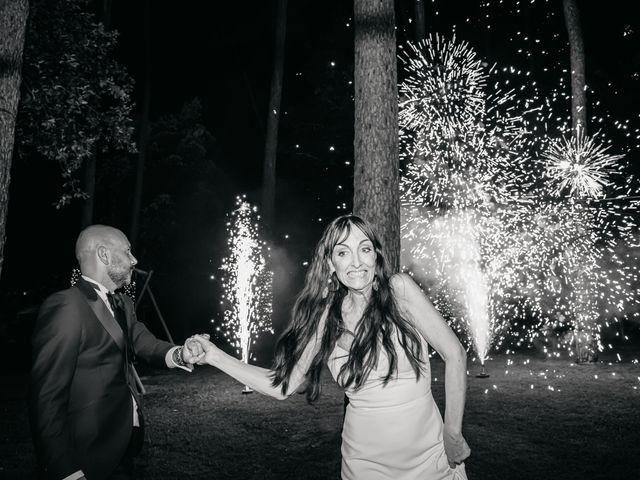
{"points": [[402, 285]]}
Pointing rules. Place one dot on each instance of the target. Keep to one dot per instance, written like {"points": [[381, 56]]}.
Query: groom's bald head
{"points": [[91, 238]]}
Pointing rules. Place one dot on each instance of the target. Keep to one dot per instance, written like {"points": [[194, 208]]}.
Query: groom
{"points": [[85, 410]]}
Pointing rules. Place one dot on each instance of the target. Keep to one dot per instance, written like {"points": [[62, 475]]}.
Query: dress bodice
{"points": [[402, 387]]}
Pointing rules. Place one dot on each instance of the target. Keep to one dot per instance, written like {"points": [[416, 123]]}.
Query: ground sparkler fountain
{"points": [[477, 315], [247, 282], [447, 250]]}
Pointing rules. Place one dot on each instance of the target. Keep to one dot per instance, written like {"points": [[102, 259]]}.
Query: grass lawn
{"points": [[533, 418]]}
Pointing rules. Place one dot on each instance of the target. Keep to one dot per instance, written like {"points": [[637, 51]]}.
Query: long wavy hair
{"points": [[380, 321]]}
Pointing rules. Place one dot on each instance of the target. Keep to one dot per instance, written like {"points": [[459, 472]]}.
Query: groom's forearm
{"points": [[257, 378]]}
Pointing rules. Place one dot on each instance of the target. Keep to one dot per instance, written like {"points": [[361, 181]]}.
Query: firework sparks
{"points": [[547, 255], [459, 180], [445, 84], [580, 165], [247, 281]]}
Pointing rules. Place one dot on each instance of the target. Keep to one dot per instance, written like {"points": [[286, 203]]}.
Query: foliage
{"points": [[186, 191], [76, 99]]}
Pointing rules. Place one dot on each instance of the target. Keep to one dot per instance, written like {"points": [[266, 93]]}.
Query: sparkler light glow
{"points": [[247, 281], [500, 220], [454, 191]]}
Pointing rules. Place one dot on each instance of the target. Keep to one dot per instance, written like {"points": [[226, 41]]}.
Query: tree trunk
{"points": [[89, 187], [420, 28], [144, 131], [587, 326], [106, 14], [89, 177], [273, 118], [376, 175], [578, 82], [13, 20]]}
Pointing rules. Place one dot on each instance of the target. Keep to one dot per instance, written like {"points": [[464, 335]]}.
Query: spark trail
{"points": [[247, 281]]}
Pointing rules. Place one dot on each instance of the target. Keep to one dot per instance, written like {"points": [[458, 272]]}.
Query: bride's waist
{"points": [[397, 392]]}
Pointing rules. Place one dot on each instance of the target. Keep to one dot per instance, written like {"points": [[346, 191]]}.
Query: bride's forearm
{"points": [[257, 378], [455, 390]]}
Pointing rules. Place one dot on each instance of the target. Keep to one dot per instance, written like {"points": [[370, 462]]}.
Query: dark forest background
{"points": [[209, 70]]}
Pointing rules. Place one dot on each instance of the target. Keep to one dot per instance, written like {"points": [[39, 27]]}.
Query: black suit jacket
{"points": [[80, 405]]}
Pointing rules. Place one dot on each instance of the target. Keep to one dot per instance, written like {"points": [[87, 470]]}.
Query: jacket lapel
{"points": [[101, 312]]}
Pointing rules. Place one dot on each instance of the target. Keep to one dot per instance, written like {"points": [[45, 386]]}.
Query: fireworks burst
{"points": [[580, 165], [510, 243], [247, 281], [445, 84], [456, 189]]}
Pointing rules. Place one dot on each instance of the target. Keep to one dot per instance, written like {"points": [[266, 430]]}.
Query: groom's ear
{"points": [[103, 254]]}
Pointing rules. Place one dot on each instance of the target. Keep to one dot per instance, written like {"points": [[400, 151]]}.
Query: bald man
{"points": [[84, 408]]}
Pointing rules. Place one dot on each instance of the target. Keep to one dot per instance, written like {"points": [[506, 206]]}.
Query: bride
{"points": [[372, 329]]}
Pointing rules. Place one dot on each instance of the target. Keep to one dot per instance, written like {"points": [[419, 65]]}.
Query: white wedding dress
{"points": [[393, 431]]}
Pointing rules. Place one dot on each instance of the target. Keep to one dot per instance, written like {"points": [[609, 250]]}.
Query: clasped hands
{"points": [[199, 350]]}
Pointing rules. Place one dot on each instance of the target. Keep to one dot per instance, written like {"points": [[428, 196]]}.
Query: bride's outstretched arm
{"points": [[258, 378]]}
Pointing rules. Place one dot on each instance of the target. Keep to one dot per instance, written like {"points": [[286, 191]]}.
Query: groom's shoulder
{"points": [[61, 298]]}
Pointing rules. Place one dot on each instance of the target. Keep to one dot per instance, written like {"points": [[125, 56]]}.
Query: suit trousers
{"points": [[125, 469]]}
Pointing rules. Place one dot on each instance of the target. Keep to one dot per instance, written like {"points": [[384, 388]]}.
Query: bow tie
{"points": [[116, 302], [117, 307], [115, 299]]}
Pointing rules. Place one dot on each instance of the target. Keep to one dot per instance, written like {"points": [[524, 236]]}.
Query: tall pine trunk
{"points": [[13, 20], [586, 327], [89, 176], [420, 23], [273, 118], [89, 187], [143, 133], [106, 13], [578, 82], [376, 175]]}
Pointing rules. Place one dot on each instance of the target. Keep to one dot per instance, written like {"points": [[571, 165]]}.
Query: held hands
{"points": [[455, 447], [192, 352], [212, 354], [198, 349]]}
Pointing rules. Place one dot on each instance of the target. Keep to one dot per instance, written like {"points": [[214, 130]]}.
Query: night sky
{"points": [[221, 53]]}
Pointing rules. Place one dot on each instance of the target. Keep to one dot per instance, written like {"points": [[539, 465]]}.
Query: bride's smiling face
{"points": [[354, 260]]}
